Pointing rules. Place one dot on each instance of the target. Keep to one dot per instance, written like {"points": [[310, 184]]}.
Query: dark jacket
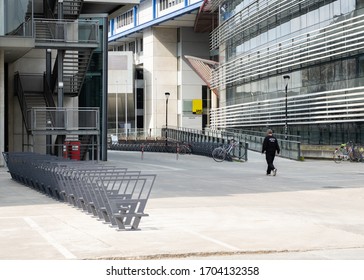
{"points": [[270, 145]]}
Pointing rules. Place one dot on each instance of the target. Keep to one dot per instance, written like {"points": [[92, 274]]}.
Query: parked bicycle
{"points": [[220, 154], [348, 152], [184, 148]]}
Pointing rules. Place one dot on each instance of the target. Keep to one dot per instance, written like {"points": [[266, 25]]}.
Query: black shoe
{"points": [[274, 172]]}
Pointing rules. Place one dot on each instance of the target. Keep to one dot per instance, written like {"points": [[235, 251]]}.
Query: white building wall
{"points": [[169, 10], [145, 12], [2, 106], [193, 1], [160, 73], [120, 72], [194, 44], [120, 82]]}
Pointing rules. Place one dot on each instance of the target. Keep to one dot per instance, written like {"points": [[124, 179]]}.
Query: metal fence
{"points": [[250, 140], [202, 142]]}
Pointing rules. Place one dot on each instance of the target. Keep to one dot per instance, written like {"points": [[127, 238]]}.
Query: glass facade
{"points": [[16, 18], [319, 44], [94, 91]]}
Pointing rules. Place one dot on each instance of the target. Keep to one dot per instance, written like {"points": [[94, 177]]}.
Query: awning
{"points": [[203, 68], [206, 20]]}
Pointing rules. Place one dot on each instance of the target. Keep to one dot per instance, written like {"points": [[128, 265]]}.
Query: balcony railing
{"points": [[69, 119], [56, 31], [16, 18]]}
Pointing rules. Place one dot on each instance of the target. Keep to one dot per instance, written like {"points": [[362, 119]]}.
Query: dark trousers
{"points": [[270, 158]]}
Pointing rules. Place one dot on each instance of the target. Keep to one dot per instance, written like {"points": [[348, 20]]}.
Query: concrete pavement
{"points": [[201, 209]]}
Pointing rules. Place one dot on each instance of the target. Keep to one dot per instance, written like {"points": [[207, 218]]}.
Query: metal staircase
{"points": [[32, 93], [54, 33], [75, 64], [77, 52], [75, 40], [43, 30], [71, 8]]}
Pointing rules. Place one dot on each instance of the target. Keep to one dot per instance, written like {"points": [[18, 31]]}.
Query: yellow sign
{"points": [[197, 106]]}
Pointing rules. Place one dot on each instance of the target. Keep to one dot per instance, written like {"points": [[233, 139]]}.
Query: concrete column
{"points": [[2, 106], [160, 73], [103, 136], [60, 62]]}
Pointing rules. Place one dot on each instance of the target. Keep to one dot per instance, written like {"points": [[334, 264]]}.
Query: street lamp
{"points": [[286, 79], [167, 94]]}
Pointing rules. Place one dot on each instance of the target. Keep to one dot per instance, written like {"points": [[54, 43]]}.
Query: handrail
{"points": [[74, 118], [48, 93], [23, 30], [50, 102], [58, 31], [20, 93], [49, 8]]}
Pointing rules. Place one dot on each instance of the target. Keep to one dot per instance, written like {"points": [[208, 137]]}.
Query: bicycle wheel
{"points": [[219, 154], [361, 152], [182, 150], [338, 156], [242, 154]]}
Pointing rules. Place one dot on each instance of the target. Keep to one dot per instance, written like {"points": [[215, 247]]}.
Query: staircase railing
{"points": [[20, 93], [49, 7], [48, 96], [23, 30]]}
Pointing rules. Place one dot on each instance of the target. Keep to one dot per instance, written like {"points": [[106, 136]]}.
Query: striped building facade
{"points": [[318, 44]]}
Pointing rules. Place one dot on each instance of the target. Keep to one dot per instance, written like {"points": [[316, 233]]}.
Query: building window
{"points": [[132, 47], [187, 107], [125, 19], [165, 4]]}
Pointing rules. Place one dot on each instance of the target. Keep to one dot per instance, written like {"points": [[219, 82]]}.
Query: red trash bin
{"points": [[74, 150]]}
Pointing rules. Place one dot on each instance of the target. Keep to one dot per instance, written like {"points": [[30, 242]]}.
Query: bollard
{"points": [[246, 151], [177, 151]]}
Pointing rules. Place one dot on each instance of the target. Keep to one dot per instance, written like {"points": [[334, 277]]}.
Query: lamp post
{"points": [[167, 94], [286, 79]]}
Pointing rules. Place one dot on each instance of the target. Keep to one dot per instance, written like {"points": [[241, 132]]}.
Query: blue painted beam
{"points": [[156, 21]]}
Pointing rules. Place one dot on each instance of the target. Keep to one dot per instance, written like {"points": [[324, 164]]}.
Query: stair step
{"points": [[71, 8]]}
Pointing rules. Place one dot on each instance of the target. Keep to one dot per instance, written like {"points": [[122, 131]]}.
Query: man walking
{"points": [[270, 147]]}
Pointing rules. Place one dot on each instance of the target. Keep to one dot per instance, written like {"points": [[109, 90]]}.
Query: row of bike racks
{"points": [[112, 194]]}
